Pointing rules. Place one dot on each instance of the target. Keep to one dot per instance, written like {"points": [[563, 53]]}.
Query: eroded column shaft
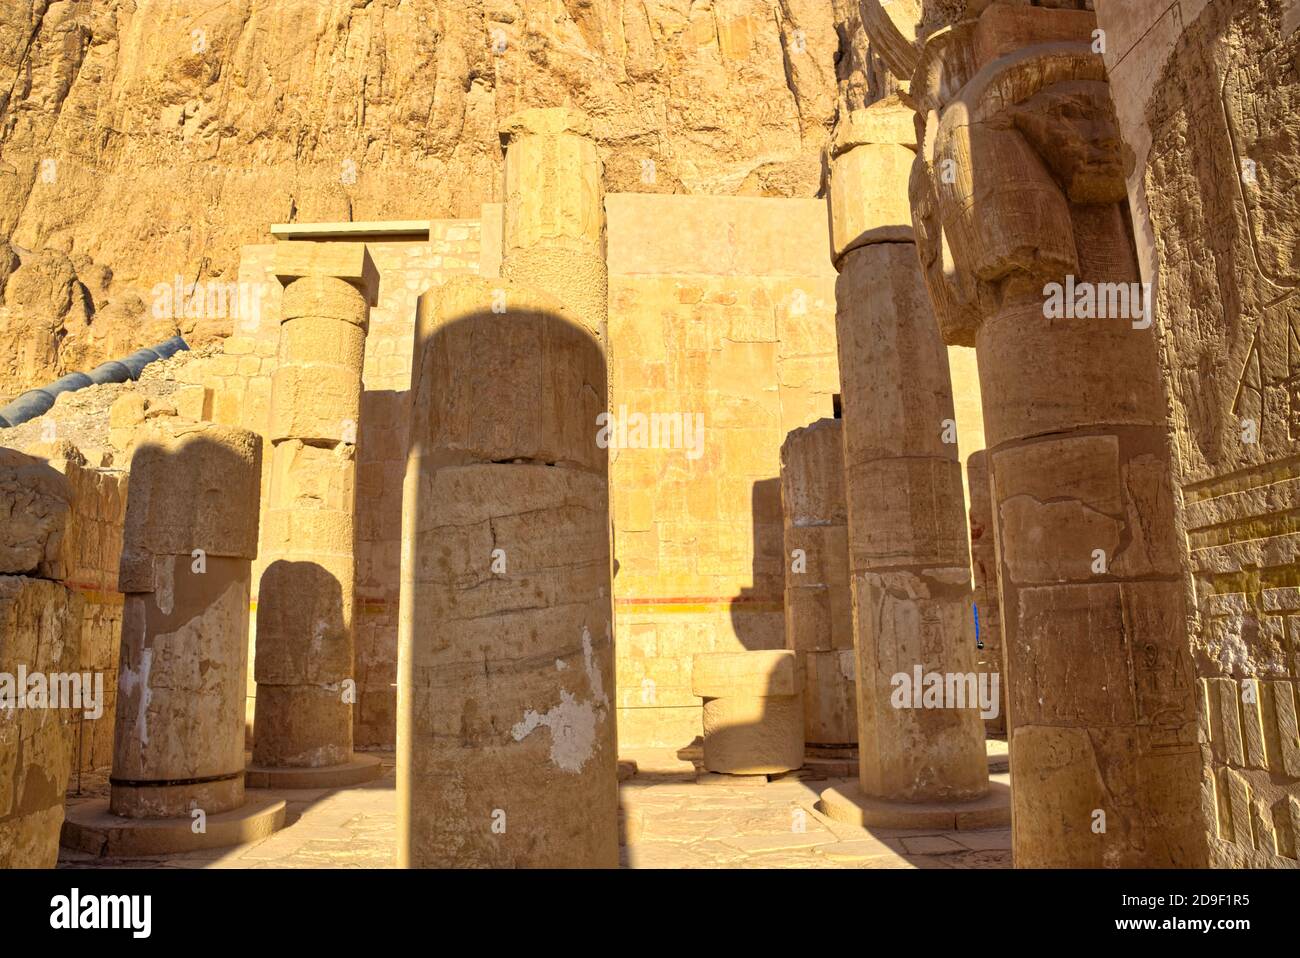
{"points": [[908, 553], [506, 728], [907, 539], [554, 231], [818, 607], [1019, 202], [188, 545], [303, 665]]}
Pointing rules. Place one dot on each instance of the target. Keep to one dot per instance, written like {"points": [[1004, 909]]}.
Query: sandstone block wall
{"points": [[1208, 99], [66, 525], [721, 309]]}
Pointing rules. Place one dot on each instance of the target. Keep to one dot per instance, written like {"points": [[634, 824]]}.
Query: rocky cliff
{"points": [[145, 140]]}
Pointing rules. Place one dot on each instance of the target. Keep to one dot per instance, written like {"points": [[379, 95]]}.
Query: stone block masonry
{"points": [[1206, 98], [61, 623], [723, 313], [40, 633]]}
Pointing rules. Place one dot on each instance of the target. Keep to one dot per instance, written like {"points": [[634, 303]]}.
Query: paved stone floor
{"points": [[671, 818]]}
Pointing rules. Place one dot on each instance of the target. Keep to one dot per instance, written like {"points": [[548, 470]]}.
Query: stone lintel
{"points": [[349, 262]]}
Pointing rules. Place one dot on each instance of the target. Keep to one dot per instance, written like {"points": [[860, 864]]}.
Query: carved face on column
{"points": [[1072, 127], [992, 187]]}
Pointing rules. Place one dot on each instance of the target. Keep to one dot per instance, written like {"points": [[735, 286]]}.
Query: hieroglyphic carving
{"points": [[1223, 186]]}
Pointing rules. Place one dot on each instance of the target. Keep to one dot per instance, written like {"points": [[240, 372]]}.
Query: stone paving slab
{"points": [[669, 820]]}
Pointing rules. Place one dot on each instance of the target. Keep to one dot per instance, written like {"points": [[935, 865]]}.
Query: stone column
{"points": [[921, 740], [506, 728], [1020, 206], [186, 570], [984, 564], [554, 232], [818, 608], [303, 665], [753, 716]]}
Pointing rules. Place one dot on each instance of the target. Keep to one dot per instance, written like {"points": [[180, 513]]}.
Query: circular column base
{"points": [[363, 768], [91, 828], [846, 803]]}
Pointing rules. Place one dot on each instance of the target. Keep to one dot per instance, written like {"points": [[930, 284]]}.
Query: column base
{"points": [[91, 828], [846, 803], [363, 768]]}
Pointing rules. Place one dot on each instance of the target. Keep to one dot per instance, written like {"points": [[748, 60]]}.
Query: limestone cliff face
{"points": [[148, 139]]}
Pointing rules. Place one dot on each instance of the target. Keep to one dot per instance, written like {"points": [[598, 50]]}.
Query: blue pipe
{"points": [[37, 402]]}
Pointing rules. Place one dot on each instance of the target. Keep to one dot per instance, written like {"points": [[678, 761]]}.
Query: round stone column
{"points": [[1019, 200], [303, 665], [921, 738], [190, 536], [507, 755], [753, 711], [818, 607]]}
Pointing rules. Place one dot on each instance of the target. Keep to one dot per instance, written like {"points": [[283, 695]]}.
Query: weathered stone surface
{"points": [[553, 236], [323, 266], [830, 702], [734, 98], [870, 155], [179, 737], [208, 463], [302, 724], [506, 700], [35, 504], [753, 735], [40, 632], [304, 661], [753, 674], [908, 547], [988, 609], [753, 710], [506, 742], [1019, 185], [1205, 98], [818, 603], [508, 373]]}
